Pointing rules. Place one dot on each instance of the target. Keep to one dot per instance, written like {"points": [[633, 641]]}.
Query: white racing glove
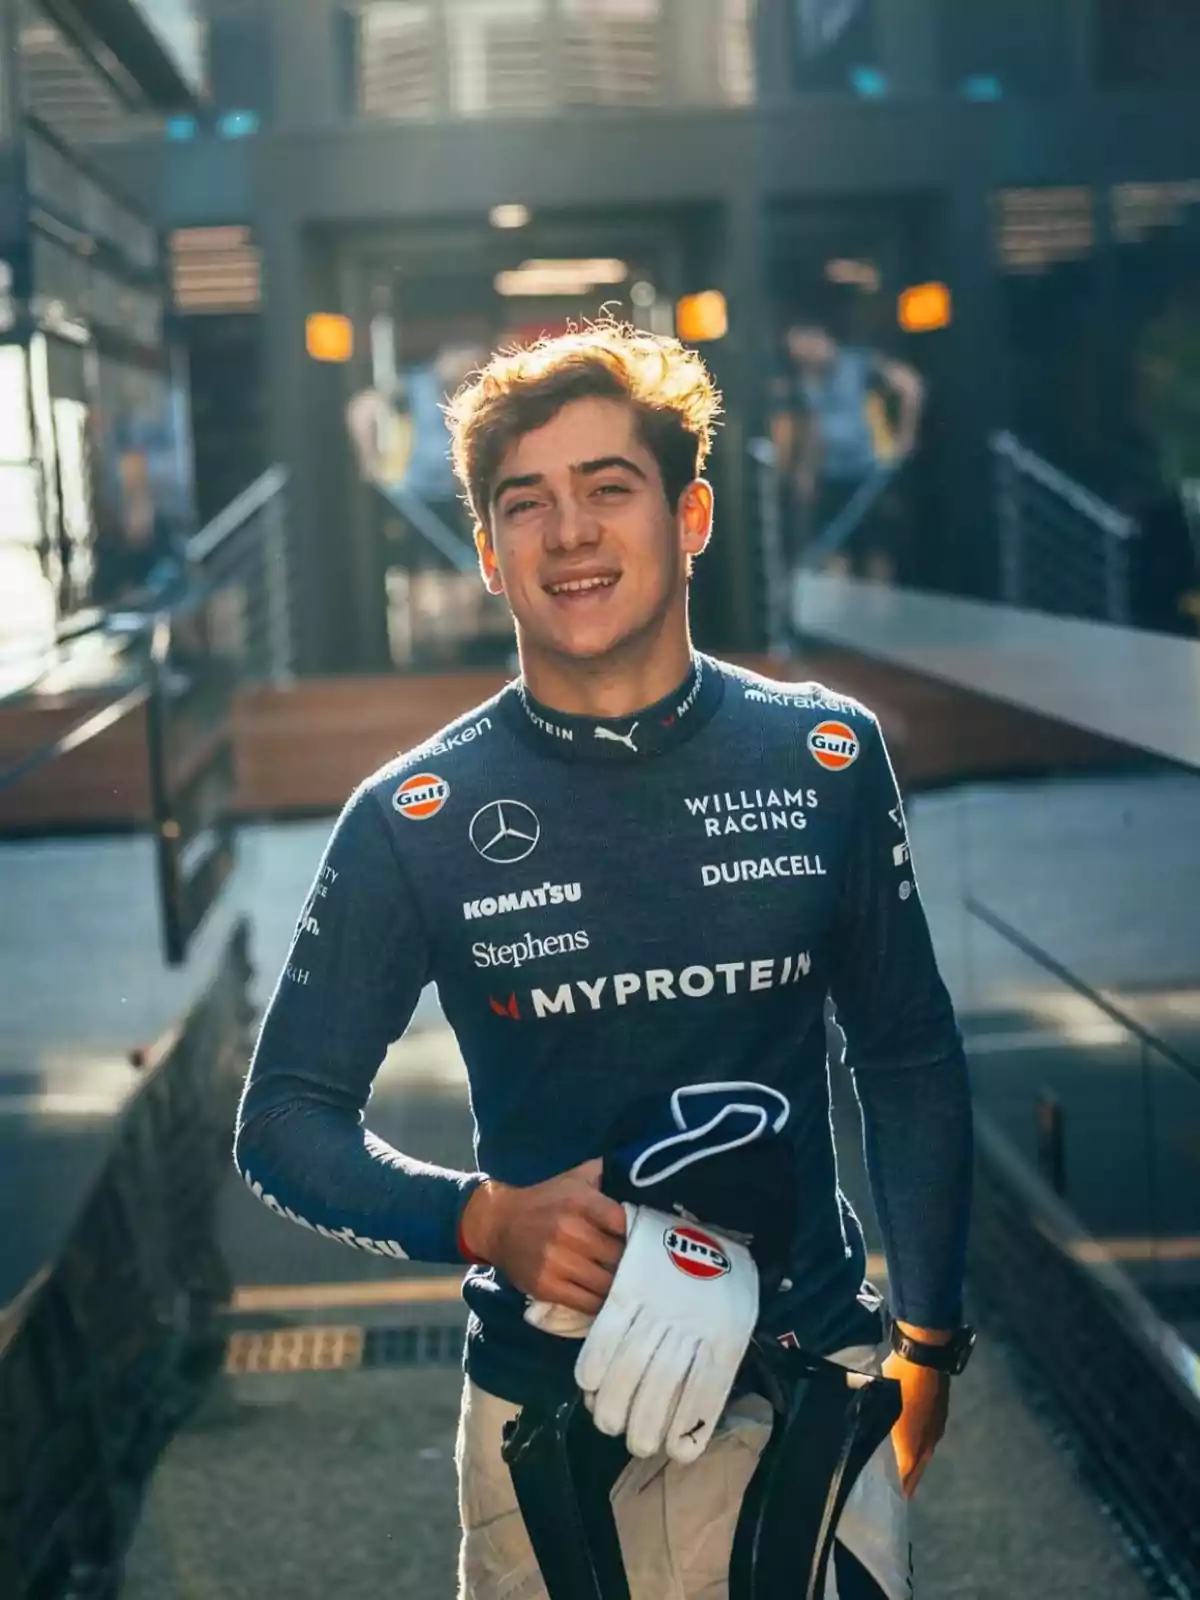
{"points": [[661, 1356]]}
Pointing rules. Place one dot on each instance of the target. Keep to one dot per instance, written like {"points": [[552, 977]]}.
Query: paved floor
{"points": [[342, 1484]]}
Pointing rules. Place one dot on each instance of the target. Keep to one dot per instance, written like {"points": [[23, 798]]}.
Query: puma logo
{"points": [[619, 738]]}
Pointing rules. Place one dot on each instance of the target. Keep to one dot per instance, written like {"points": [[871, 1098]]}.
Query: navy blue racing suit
{"points": [[611, 909]]}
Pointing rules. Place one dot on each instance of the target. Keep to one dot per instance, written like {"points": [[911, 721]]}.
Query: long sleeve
{"points": [[358, 962], [905, 1054]]}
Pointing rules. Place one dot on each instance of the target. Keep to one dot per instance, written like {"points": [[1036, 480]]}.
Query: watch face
{"points": [[962, 1344]]}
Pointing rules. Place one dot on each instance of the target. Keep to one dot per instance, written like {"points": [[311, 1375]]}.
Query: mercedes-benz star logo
{"points": [[505, 831]]}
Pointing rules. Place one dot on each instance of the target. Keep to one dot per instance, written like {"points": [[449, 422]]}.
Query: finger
{"points": [[583, 1238], [610, 1327], [601, 1209], [571, 1267], [653, 1406], [590, 1171], [700, 1405], [619, 1385]]}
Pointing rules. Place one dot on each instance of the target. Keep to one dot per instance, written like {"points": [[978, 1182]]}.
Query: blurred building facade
{"points": [[810, 159], [95, 477]]}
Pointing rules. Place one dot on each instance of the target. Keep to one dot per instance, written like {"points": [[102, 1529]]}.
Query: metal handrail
{"points": [[1106, 517], [1048, 963], [430, 526], [202, 546], [82, 733], [136, 614]]}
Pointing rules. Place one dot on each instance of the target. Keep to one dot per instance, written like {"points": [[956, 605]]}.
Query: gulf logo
{"points": [[696, 1253], [421, 796], [834, 745]]}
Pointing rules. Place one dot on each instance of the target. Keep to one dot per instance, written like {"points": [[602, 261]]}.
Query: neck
{"points": [[638, 673]]}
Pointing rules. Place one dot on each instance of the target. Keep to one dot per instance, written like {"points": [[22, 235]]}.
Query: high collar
{"points": [[650, 732]]}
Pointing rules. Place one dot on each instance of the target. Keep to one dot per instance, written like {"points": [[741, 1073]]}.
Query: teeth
{"points": [[581, 584]]}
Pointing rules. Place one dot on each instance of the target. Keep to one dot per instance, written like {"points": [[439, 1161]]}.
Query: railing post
{"points": [[1074, 526], [1051, 1141], [163, 820], [278, 599], [1116, 578], [1008, 518], [775, 576]]}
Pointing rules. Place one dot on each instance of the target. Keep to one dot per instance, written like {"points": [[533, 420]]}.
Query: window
{"points": [[500, 59], [177, 25], [215, 270], [88, 292], [488, 58], [61, 185], [70, 92], [611, 52]]}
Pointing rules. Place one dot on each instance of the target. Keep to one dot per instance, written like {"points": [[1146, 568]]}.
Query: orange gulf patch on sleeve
{"points": [[421, 796], [834, 745]]}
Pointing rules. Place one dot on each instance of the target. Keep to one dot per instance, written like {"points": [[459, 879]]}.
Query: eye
{"points": [[612, 488], [515, 507]]}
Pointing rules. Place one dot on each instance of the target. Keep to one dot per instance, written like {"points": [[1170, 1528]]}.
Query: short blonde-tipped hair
{"points": [[671, 391]]}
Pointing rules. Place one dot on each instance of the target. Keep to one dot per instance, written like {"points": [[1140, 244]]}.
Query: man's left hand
{"points": [[926, 1403]]}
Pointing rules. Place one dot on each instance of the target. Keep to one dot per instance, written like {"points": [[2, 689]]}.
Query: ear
{"points": [[695, 517], [493, 582]]}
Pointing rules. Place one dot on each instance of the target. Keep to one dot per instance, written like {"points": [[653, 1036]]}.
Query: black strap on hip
{"points": [[824, 1432]]}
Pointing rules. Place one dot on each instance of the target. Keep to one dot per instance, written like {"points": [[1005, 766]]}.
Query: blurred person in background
{"points": [[430, 471], [137, 545], [845, 416], [608, 931], [400, 436]]}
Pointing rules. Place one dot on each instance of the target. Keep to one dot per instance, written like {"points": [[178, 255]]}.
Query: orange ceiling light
{"points": [[328, 336], [702, 318], [924, 308]]}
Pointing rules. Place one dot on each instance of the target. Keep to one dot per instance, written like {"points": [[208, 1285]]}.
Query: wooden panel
{"points": [[105, 782], [302, 750]]}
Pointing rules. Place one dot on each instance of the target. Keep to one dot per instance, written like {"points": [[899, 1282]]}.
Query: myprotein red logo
{"points": [[696, 1253], [421, 796], [834, 745], [506, 1008]]}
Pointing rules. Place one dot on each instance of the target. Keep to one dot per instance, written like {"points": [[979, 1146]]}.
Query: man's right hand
{"points": [[559, 1241]]}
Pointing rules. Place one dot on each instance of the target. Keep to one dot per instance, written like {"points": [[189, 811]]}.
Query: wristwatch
{"points": [[951, 1357]]}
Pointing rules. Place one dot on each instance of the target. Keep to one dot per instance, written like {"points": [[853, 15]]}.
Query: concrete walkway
{"points": [[315, 1486]]}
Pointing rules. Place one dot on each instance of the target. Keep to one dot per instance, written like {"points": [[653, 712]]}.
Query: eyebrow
{"points": [[585, 469]]}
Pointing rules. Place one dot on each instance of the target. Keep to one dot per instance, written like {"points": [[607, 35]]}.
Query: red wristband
{"points": [[476, 1261]]}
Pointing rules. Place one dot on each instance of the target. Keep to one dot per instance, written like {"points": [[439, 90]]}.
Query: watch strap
{"points": [[950, 1358]]}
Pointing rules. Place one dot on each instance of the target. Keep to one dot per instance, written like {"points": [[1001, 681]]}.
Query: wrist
{"points": [[942, 1350], [477, 1224]]}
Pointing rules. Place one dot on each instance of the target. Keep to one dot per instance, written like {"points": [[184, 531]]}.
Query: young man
{"points": [[635, 868]]}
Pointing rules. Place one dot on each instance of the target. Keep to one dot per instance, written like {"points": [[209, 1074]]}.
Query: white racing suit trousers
{"points": [[676, 1523]]}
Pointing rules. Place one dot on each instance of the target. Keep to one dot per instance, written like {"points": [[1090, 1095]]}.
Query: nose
{"points": [[576, 527]]}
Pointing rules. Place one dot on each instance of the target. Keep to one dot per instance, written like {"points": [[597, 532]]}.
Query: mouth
{"points": [[573, 590]]}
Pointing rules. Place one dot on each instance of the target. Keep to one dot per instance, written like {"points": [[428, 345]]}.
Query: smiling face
{"points": [[583, 542]]}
